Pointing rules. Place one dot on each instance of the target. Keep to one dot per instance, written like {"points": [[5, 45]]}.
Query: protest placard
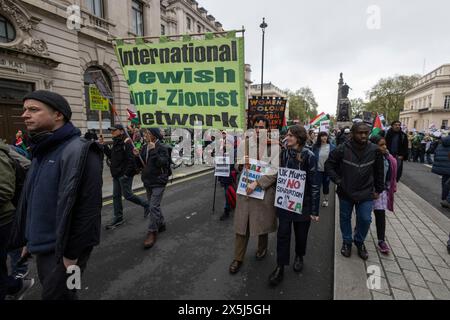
{"points": [[248, 176], [290, 189], [182, 83], [222, 167], [325, 126]]}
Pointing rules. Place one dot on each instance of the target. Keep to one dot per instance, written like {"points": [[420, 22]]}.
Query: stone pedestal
{"points": [[343, 124]]}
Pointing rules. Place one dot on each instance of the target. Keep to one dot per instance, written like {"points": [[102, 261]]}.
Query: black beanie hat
{"points": [[53, 100]]}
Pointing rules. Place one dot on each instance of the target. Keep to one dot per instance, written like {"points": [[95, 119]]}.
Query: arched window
{"points": [[7, 32], [93, 115]]}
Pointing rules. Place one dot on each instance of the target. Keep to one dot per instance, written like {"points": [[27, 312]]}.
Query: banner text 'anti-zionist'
{"points": [[183, 83]]}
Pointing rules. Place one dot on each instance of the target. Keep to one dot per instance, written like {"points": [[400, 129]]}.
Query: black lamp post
{"points": [[263, 26]]}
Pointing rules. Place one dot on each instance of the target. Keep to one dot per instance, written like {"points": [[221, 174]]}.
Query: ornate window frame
{"points": [[23, 23]]}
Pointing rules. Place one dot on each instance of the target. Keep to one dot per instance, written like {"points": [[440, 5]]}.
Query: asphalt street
{"points": [[190, 260], [419, 178]]}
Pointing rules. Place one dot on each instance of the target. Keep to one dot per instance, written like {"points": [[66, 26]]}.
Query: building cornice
{"points": [[428, 86]]}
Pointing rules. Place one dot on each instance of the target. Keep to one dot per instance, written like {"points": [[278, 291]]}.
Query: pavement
{"points": [[178, 173], [418, 267], [191, 259], [427, 185]]}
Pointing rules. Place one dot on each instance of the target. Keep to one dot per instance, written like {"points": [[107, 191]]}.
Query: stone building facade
{"points": [[42, 47], [427, 104]]}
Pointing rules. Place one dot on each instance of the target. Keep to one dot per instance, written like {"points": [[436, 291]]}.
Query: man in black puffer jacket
{"points": [[155, 175], [123, 169], [357, 168], [397, 144]]}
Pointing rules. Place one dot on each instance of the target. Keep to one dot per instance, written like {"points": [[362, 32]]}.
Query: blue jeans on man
{"points": [[363, 220], [324, 181], [123, 186]]}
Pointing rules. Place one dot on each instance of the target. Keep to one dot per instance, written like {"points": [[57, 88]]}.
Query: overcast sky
{"points": [[308, 43]]}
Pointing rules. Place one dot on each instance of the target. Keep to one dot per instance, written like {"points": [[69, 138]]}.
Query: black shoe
{"points": [[346, 250], [448, 248], [225, 215], [261, 255], [235, 266], [114, 224], [276, 276], [362, 251], [162, 228], [298, 264]]}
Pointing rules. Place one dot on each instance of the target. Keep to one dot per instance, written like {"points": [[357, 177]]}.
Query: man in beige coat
{"points": [[254, 217]]}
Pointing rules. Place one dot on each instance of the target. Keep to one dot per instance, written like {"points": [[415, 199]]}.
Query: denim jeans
{"points": [[445, 195], [399, 168], [154, 196], [324, 180], [123, 186], [363, 220], [14, 257], [429, 159]]}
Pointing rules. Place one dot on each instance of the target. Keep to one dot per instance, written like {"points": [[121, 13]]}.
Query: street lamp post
{"points": [[263, 26]]}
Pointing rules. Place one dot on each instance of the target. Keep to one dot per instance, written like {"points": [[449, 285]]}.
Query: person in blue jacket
{"points": [[441, 166]]}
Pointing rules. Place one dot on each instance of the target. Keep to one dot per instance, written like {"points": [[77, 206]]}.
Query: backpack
{"points": [[169, 150], [21, 174]]}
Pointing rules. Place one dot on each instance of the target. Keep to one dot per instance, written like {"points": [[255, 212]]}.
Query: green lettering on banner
{"points": [[177, 83]]}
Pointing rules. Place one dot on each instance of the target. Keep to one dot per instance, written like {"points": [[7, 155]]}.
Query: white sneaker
{"points": [[22, 275], [325, 203]]}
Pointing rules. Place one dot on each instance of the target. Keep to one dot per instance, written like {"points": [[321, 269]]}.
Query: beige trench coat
{"points": [[260, 214]]}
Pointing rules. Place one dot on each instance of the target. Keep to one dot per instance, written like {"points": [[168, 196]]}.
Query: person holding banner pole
{"points": [[123, 169], [228, 183], [254, 217], [322, 149], [297, 157]]}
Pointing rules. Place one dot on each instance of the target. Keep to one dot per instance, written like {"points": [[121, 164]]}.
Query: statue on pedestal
{"points": [[344, 105]]}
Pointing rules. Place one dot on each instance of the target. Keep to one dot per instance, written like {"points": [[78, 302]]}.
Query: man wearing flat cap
{"points": [[59, 214], [123, 169]]}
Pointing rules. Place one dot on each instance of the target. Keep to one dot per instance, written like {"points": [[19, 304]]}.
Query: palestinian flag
{"points": [[377, 127], [316, 121], [132, 116]]}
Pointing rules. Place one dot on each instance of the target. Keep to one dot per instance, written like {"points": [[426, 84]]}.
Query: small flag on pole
{"points": [[132, 116], [377, 127], [316, 121]]}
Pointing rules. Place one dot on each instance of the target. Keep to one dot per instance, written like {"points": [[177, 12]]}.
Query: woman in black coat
{"points": [[296, 157]]}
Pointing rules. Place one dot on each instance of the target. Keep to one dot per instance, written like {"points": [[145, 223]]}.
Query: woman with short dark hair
{"points": [[296, 156]]}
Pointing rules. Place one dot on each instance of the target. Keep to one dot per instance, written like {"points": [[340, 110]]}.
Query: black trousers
{"points": [[284, 239], [380, 222], [8, 284], [53, 276]]}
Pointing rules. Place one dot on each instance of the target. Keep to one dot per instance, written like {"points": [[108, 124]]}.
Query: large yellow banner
{"points": [[183, 83]]}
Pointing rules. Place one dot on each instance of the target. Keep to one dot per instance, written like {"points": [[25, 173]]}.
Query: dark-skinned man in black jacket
{"points": [[357, 168]]}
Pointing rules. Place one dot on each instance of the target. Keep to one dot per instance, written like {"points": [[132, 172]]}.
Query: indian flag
{"points": [[316, 121], [377, 127]]}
